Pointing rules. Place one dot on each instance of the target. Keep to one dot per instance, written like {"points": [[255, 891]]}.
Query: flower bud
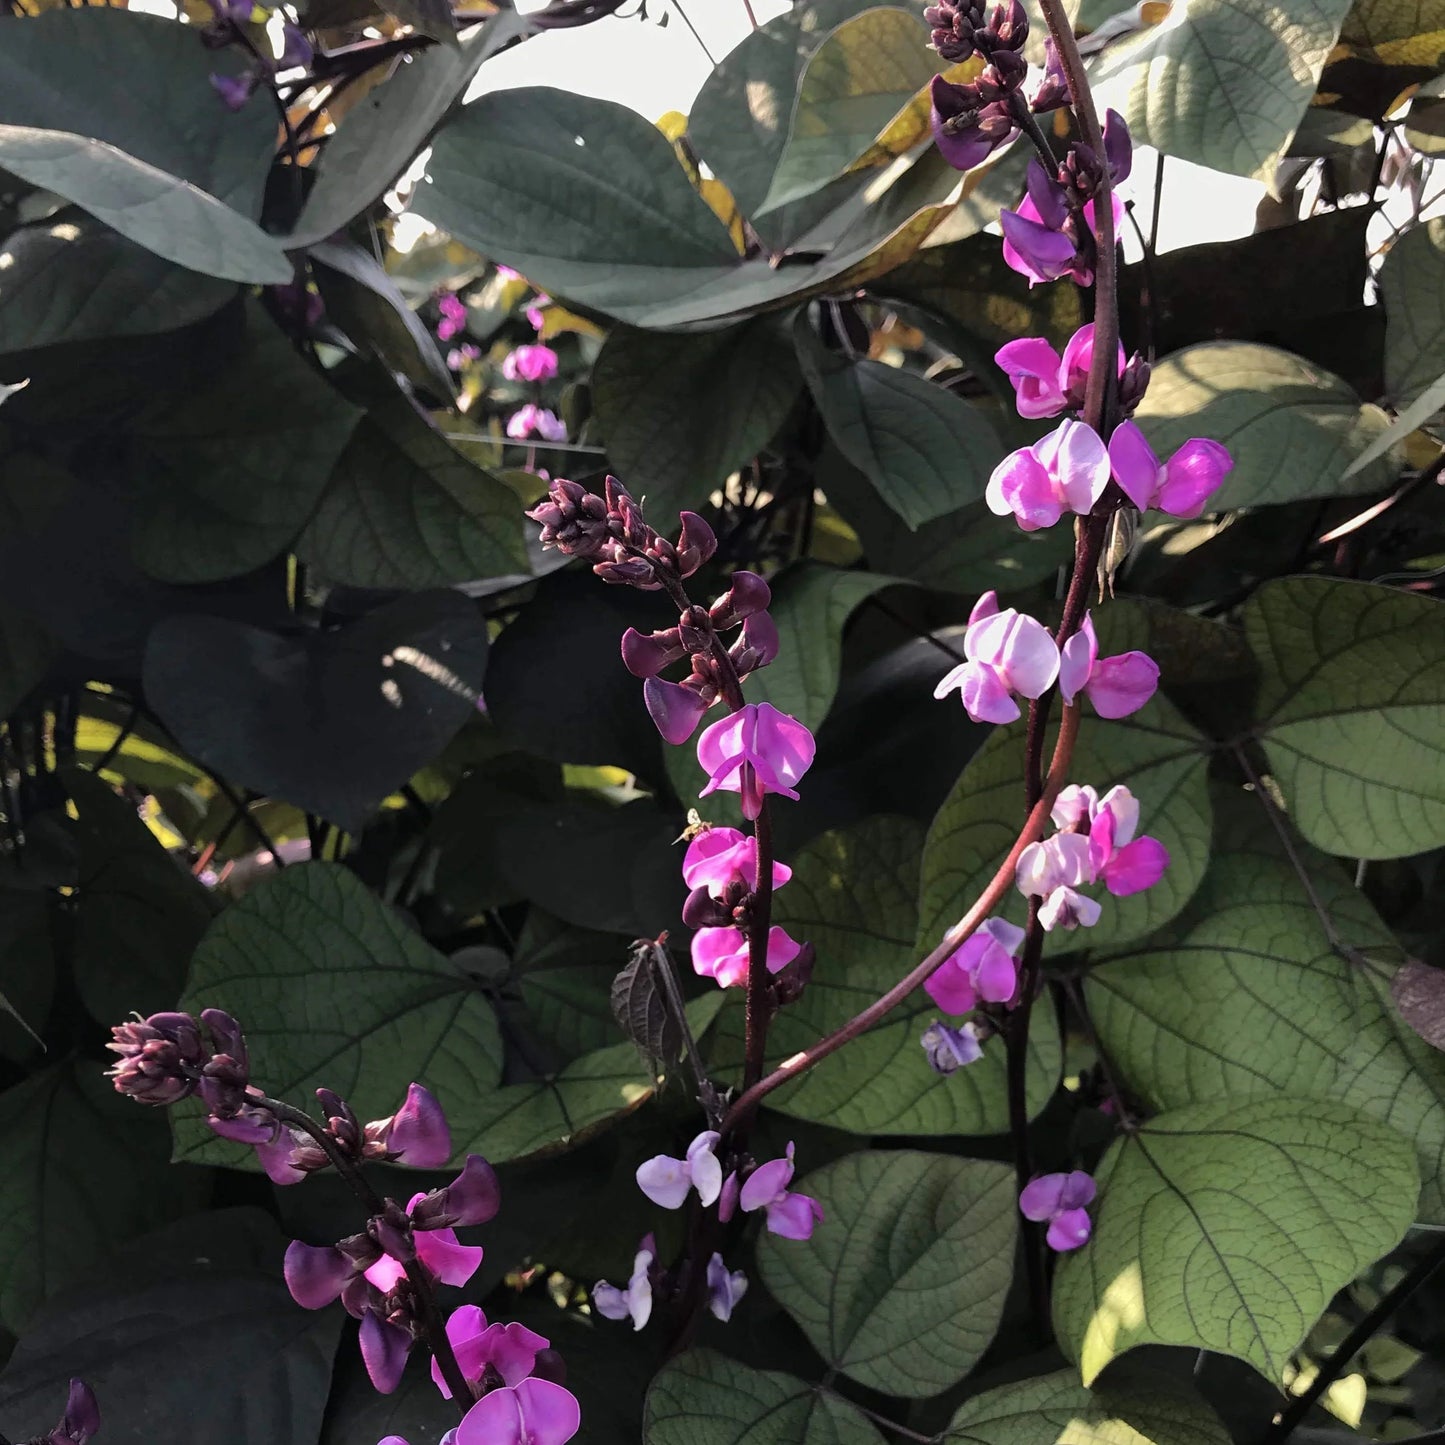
{"points": [[634, 572], [1009, 26], [747, 594], [757, 645], [160, 1058], [674, 708], [473, 1197], [1133, 383], [793, 978], [696, 543], [1053, 89]]}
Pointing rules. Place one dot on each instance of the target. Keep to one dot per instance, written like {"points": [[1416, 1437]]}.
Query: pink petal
{"points": [[1030, 660], [1039, 1199], [674, 709], [1123, 807], [766, 1183], [984, 608], [466, 1329], [782, 950], [721, 954], [996, 975], [550, 1413], [1076, 660], [1033, 366], [384, 1349], [955, 677], [1122, 684], [1079, 461], [1032, 249], [716, 858], [986, 697], [1008, 936], [1070, 1230], [951, 988], [385, 1273], [1021, 485], [1136, 866], [452, 1263], [419, 1136], [1079, 1189], [1192, 475], [1075, 805], [315, 1275], [793, 1216], [787, 745], [1068, 909], [496, 1419], [665, 1181], [1135, 467], [276, 1158]]}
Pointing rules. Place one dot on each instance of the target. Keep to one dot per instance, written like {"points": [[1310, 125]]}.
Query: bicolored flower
{"points": [[532, 420], [1054, 869], [666, 1180], [1123, 863], [722, 954], [721, 857], [438, 1249], [984, 967], [950, 1049], [1044, 382], [1065, 471], [1061, 1199], [1008, 654], [1117, 686], [790, 1215], [754, 751], [1181, 486]]}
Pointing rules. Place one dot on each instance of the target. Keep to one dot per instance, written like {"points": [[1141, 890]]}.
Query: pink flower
{"points": [[724, 1290], [1123, 863], [666, 1180], [417, 1134], [1054, 869], [437, 1249], [1060, 1199], [1008, 653], [754, 751], [634, 1301], [984, 966], [722, 954], [530, 363], [1044, 382], [1117, 686], [722, 857], [532, 1412], [533, 420], [454, 316], [1181, 486], [534, 312], [511, 1349], [1066, 471], [790, 1215]]}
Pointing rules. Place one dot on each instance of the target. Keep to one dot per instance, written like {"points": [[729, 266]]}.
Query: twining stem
{"points": [[1016, 1041], [759, 1004], [433, 1327]]}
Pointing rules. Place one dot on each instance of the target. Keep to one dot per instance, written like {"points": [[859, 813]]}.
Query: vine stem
{"points": [[1016, 1041], [433, 1326]]}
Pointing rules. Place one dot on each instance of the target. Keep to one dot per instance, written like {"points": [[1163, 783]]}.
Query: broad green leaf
{"points": [[228, 475], [1396, 32], [926, 451], [1229, 1227], [1220, 84], [1058, 1410], [69, 278], [1411, 419], [1412, 287], [1351, 711], [902, 1284], [1243, 995], [856, 81], [703, 1398], [379, 138], [853, 896], [1292, 428], [1157, 753], [403, 509], [57, 1225], [333, 987], [164, 213], [680, 411]]}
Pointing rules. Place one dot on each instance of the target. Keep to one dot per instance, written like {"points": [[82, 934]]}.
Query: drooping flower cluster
{"points": [[1061, 1200]]}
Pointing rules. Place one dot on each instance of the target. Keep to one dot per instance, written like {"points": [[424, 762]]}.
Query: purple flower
{"points": [[384, 1348], [724, 1290], [984, 966], [316, 1274], [234, 90], [966, 131], [720, 858], [533, 1412], [532, 420], [296, 48], [1007, 653], [1065, 471], [1181, 486], [722, 954], [1118, 147], [1117, 686], [1043, 239], [454, 316], [950, 1049], [530, 363], [1061, 1199], [473, 1197], [634, 1301], [754, 751], [417, 1134], [1044, 382], [437, 1249], [675, 708], [790, 1215], [666, 1180], [510, 1349], [81, 1419]]}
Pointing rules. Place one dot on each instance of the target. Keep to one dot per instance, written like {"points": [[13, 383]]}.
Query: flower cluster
{"points": [[970, 121]]}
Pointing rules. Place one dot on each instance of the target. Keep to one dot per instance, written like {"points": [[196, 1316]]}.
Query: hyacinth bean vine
{"points": [[764, 778]]}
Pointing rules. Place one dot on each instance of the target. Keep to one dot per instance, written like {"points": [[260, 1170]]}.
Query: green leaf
{"points": [[1058, 1410], [403, 509], [1245, 996], [1352, 711], [926, 451], [1157, 753], [380, 137], [681, 411], [902, 1284], [1411, 419], [1229, 1227], [333, 987], [853, 895], [1292, 428], [703, 1398], [61, 1131], [228, 476], [1412, 287], [1221, 84], [854, 83], [69, 278], [1396, 32], [164, 213]]}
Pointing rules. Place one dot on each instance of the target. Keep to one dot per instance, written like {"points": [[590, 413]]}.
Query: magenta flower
{"points": [[1008, 654], [1035, 244], [1117, 686], [790, 1215], [724, 1290], [510, 1349], [1066, 471], [532, 420], [1044, 382], [532, 1412], [722, 857], [316, 1274], [534, 312], [722, 954], [1181, 486], [1061, 1199], [984, 966], [1054, 869], [950, 1049], [1123, 863], [453, 316], [666, 1180], [530, 363], [754, 751], [634, 1301], [437, 1249], [417, 1134]]}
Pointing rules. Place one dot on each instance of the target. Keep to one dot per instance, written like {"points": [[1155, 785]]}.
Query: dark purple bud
{"points": [[227, 1036], [646, 654], [234, 90], [694, 629], [160, 1058], [748, 593], [758, 645], [953, 28], [549, 1365], [81, 1419], [361, 1296], [1133, 382], [675, 709], [695, 544], [419, 1136], [1053, 89], [790, 981], [574, 520], [1003, 74], [316, 1275], [384, 1348], [702, 910], [634, 572], [473, 1197], [1009, 26]]}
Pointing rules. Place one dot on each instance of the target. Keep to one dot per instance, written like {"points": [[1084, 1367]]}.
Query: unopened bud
{"points": [[1133, 383], [1009, 26], [790, 981], [634, 572], [696, 543], [747, 594]]}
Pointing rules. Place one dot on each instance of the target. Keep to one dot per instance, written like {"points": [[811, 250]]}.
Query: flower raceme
{"points": [[1062, 1200]]}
